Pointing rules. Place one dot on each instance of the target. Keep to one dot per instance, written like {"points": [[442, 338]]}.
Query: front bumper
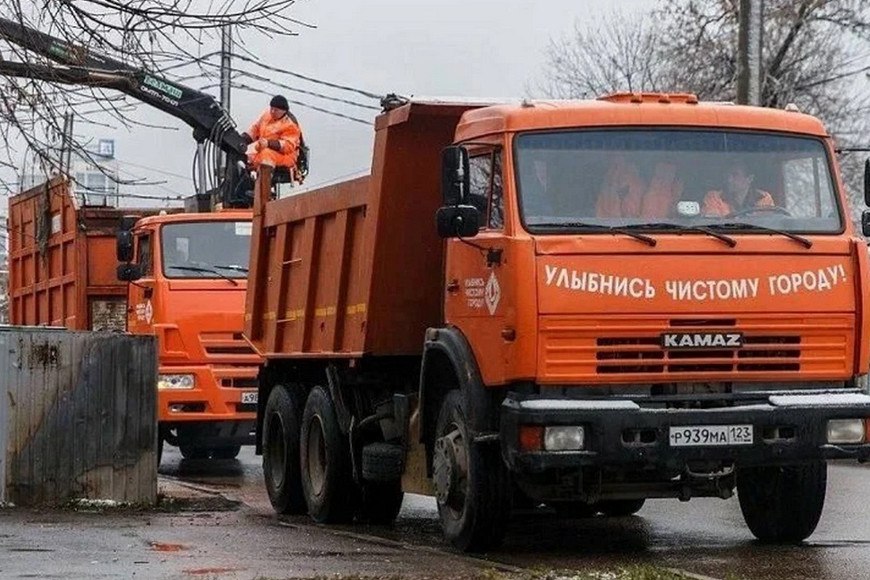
{"points": [[217, 395], [628, 434]]}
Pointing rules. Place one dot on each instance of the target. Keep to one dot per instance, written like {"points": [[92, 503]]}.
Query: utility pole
{"points": [[226, 65], [749, 42], [66, 161], [226, 78]]}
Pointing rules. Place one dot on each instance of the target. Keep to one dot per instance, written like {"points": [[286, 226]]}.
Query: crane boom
{"points": [[82, 66]]}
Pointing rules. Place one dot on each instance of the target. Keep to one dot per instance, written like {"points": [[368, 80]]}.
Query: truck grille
{"points": [[645, 355], [573, 349]]}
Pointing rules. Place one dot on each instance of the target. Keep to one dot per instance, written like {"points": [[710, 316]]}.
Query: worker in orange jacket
{"points": [[738, 196], [622, 192], [275, 136]]}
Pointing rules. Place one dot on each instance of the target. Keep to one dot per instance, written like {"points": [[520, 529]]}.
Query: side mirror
{"points": [[129, 272], [454, 175], [867, 182], [458, 221], [124, 238], [124, 245]]}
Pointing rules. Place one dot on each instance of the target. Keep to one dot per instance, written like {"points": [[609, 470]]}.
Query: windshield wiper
{"points": [[232, 267], [731, 242], [614, 229], [206, 270], [747, 226]]}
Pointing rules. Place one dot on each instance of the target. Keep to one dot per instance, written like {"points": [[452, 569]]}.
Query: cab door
{"points": [[478, 292], [141, 293]]}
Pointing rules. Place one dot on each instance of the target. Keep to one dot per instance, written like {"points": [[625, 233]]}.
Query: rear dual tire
{"points": [[282, 420]]}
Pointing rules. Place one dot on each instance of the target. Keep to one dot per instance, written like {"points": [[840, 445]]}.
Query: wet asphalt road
{"points": [[704, 536]]}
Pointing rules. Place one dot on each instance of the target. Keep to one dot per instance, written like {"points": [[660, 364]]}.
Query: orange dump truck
{"points": [[188, 285], [579, 304]]}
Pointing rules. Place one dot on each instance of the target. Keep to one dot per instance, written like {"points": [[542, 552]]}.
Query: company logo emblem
{"points": [[149, 312], [702, 340], [162, 86], [493, 293]]}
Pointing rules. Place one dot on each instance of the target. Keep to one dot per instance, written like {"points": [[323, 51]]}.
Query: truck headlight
{"points": [[561, 438], [175, 382], [846, 431]]}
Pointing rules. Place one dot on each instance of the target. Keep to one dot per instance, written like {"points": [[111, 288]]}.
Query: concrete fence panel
{"points": [[78, 417]]}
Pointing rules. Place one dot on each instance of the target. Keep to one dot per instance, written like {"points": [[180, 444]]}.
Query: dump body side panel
{"points": [[62, 261], [356, 267]]}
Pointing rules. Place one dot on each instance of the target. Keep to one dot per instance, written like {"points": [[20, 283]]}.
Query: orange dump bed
{"points": [[356, 268], [62, 261]]}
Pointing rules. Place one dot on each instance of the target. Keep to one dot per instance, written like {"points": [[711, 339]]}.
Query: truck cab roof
{"points": [[632, 109], [224, 215]]}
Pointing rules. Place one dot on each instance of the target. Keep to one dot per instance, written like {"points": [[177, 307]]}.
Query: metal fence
{"points": [[78, 416]]}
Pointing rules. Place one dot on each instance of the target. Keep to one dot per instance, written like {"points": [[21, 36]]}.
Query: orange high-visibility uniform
{"points": [[622, 192], [663, 192], [715, 203], [283, 136]]}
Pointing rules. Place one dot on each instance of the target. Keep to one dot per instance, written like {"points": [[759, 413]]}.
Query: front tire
{"points": [[327, 479], [782, 504], [472, 485], [282, 421]]}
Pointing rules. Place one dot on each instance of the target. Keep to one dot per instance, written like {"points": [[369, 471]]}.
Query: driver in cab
{"points": [[738, 196]]}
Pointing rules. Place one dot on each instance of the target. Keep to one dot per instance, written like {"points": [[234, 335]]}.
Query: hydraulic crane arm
{"points": [[200, 111]]}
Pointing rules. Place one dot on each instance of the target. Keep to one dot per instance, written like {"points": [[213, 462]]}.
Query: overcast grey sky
{"points": [[479, 48]]}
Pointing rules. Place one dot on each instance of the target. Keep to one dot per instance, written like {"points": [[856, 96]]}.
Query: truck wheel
{"points": [[159, 449], [382, 462], [782, 504], [282, 420], [327, 480], [471, 483], [620, 508], [381, 502], [228, 452], [193, 452]]}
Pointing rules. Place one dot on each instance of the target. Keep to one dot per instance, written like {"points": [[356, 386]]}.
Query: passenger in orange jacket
{"points": [[622, 192], [275, 136], [665, 189], [738, 196]]}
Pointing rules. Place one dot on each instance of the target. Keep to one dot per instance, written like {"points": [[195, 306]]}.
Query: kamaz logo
{"points": [[702, 340]]}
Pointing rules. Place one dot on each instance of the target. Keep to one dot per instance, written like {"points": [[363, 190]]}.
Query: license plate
{"points": [[249, 398], [710, 435]]}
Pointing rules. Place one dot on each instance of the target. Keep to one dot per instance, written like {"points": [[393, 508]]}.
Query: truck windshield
{"points": [[665, 179], [213, 249]]}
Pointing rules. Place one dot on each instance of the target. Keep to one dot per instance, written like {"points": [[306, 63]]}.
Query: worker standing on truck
{"points": [[738, 195]]}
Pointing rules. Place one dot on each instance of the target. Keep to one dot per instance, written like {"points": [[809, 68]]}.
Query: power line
{"points": [[306, 92], [203, 61], [154, 169], [306, 105], [311, 79]]}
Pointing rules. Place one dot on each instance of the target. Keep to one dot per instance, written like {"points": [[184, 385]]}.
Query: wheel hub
{"points": [[450, 470]]}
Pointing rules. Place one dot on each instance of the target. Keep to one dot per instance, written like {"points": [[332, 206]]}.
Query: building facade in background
{"points": [[94, 175]]}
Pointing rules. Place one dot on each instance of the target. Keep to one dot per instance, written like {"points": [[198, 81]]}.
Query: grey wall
{"points": [[77, 416]]}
